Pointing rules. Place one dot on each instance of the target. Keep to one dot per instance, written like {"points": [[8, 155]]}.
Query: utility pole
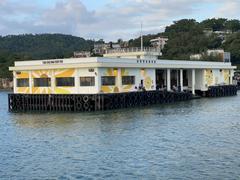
{"points": [[141, 37]]}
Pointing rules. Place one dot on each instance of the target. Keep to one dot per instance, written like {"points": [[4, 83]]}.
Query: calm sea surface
{"points": [[199, 139]]}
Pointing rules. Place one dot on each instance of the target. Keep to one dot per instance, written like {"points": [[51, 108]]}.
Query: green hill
{"points": [[44, 46], [187, 36]]}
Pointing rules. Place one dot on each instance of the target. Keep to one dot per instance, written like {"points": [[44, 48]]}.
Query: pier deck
{"points": [[86, 103], [101, 102]]}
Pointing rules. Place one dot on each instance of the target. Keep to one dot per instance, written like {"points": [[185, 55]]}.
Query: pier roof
{"points": [[95, 62]]}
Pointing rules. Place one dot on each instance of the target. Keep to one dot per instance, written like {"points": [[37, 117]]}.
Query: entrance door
{"points": [[160, 79], [174, 78]]}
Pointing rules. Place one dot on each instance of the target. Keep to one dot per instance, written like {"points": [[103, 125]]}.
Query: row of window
{"points": [[70, 82], [111, 80], [60, 82]]}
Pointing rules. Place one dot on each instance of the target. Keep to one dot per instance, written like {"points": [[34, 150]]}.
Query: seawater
{"points": [[198, 139]]}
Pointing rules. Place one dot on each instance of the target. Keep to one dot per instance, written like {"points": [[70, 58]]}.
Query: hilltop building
{"points": [[220, 34], [82, 54], [218, 53], [102, 48], [159, 42]]}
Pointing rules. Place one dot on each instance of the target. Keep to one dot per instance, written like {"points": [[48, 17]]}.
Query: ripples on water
{"points": [[199, 139]]}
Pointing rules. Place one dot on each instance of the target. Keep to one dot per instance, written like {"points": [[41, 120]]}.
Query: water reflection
{"points": [[185, 140]]}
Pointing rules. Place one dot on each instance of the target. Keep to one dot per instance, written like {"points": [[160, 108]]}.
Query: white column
{"points": [[77, 81], [193, 81], [181, 80], [119, 80], [53, 82], [168, 79], [14, 82], [231, 77], [30, 81], [98, 80], [177, 78]]}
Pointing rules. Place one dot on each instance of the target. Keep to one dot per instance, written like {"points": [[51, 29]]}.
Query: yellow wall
{"points": [[23, 75], [61, 73], [41, 74], [140, 74], [110, 89], [126, 88], [226, 75], [147, 79], [46, 74], [209, 77]]}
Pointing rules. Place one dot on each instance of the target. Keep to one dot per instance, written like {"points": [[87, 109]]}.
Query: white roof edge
{"points": [[71, 60], [114, 65], [117, 62], [165, 60], [99, 59]]}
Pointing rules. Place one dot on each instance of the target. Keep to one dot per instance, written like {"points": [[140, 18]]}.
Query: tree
{"points": [[232, 45], [186, 37], [214, 24], [184, 25], [119, 41], [42, 46], [233, 25]]}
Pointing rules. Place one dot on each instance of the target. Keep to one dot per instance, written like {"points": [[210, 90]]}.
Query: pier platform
{"points": [[86, 102], [102, 102], [219, 91]]}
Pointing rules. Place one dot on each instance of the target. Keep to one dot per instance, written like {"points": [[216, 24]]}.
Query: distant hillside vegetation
{"points": [[25, 47], [187, 36]]}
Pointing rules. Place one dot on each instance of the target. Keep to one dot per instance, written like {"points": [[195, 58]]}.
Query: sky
{"points": [[106, 19]]}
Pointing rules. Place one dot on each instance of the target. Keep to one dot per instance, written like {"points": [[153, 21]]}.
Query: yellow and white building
{"points": [[118, 72]]}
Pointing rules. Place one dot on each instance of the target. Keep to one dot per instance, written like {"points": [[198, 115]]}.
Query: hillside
{"points": [[187, 36], [25, 47]]}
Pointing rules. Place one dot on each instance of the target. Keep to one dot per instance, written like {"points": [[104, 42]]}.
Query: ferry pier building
{"points": [[122, 78]]}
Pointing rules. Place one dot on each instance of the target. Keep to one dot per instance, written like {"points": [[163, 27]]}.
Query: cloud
{"points": [[116, 19], [11, 10], [229, 9]]}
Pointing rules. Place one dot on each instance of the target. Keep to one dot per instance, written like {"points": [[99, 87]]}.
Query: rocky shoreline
{"points": [[6, 84]]}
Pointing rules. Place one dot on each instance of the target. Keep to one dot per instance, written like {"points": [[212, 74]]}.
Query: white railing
{"points": [[134, 49]]}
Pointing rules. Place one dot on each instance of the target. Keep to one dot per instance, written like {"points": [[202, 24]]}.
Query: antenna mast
{"points": [[141, 37]]}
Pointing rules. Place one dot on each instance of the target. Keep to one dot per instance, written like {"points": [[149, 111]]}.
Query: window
{"points": [[91, 70], [108, 80], [42, 82], [128, 80], [65, 82], [87, 81], [23, 82]]}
